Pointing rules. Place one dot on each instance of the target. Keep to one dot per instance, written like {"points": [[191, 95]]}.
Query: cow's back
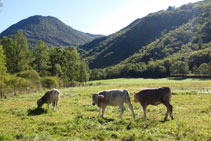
{"points": [[51, 96], [114, 97], [154, 96]]}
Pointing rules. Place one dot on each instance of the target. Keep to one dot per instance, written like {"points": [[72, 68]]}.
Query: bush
{"points": [[73, 84], [18, 83], [31, 75], [50, 82], [2, 85]]}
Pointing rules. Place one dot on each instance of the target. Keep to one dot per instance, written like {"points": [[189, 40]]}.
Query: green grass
{"points": [[77, 118]]}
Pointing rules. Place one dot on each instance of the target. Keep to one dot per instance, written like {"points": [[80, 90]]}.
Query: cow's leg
{"points": [[171, 111], [169, 108], [103, 111], [144, 109], [122, 107], [131, 108], [99, 111], [54, 106]]}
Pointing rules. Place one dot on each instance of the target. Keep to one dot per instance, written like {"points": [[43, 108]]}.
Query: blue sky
{"points": [[93, 16]]}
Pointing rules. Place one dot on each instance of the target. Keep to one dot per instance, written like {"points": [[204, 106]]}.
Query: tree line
{"points": [[152, 70], [22, 68]]}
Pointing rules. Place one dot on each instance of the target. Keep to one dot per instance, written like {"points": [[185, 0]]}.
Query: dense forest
{"points": [[42, 67]]}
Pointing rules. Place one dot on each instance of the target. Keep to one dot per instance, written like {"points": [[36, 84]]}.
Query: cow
{"points": [[112, 98], [51, 96], [155, 96]]}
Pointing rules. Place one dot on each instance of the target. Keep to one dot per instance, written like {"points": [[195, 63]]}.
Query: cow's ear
{"points": [[101, 96]]}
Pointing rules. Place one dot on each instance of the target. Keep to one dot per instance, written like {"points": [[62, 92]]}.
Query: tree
{"points": [[41, 63], [209, 68], [179, 67], [160, 70], [3, 68], [17, 52], [71, 64], [56, 55], [97, 74], [58, 70], [204, 69], [84, 71], [171, 8], [195, 69]]}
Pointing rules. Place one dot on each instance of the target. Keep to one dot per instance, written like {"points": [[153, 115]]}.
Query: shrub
{"points": [[50, 82], [2, 85], [17, 83], [31, 75]]}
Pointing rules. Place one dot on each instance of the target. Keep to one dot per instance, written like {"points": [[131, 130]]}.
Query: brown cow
{"points": [[51, 96], [112, 98], [155, 96]]}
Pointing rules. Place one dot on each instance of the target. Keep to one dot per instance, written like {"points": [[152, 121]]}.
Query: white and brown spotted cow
{"points": [[112, 98]]}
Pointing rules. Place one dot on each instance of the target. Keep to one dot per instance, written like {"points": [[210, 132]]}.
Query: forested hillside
{"points": [[50, 30], [151, 45], [22, 69]]}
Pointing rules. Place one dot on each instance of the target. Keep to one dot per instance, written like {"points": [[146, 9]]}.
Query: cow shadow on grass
{"points": [[36, 111]]}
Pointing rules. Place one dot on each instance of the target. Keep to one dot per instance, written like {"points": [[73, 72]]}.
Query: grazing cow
{"points": [[155, 96], [51, 96], [112, 98]]}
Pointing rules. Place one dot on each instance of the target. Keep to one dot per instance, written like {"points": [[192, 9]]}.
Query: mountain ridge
{"points": [[50, 30]]}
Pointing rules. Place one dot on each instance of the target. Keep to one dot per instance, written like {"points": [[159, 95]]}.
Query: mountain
{"points": [[50, 30], [167, 33]]}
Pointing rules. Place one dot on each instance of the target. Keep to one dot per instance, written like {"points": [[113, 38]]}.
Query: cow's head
{"points": [[136, 97], [39, 103], [96, 98]]}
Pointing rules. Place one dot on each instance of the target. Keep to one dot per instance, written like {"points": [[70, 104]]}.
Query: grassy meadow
{"points": [[77, 119]]}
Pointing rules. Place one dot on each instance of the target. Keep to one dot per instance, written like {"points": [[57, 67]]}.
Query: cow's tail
{"points": [[127, 100], [127, 96]]}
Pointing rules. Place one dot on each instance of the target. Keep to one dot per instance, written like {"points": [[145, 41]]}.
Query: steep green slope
{"points": [[192, 36], [153, 37], [50, 30]]}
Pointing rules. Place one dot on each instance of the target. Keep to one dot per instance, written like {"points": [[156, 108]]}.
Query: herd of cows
{"points": [[102, 99]]}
